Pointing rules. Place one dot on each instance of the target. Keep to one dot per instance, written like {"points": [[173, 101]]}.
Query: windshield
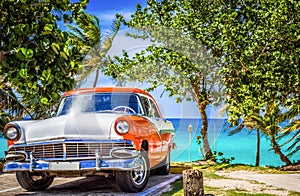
{"points": [[99, 102]]}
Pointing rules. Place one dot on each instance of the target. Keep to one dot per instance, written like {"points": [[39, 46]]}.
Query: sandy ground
{"points": [[245, 181], [252, 182]]}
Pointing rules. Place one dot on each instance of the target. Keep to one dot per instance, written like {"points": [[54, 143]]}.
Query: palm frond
{"points": [[293, 126], [293, 146], [293, 111], [75, 32], [237, 129], [10, 107]]}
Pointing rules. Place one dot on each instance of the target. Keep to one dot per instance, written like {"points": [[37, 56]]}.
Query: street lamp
{"points": [[190, 128]]}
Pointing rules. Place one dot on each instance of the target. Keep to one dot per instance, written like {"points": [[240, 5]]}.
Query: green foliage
{"points": [[177, 59], [262, 54], [38, 59], [259, 46], [219, 156]]}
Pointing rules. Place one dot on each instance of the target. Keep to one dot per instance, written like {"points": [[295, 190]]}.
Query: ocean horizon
{"points": [[241, 146]]}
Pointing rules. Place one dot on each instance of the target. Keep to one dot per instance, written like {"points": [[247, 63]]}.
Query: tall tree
{"points": [[87, 33], [177, 59], [38, 59], [256, 42], [260, 45]]}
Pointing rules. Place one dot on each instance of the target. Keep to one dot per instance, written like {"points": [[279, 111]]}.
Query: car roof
{"points": [[106, 90]]}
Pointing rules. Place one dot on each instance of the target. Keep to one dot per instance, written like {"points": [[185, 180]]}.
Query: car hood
{"points": [[91, 126]]}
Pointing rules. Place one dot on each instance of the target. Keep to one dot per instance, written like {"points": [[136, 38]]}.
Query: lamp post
{"points": [[190, 128]]}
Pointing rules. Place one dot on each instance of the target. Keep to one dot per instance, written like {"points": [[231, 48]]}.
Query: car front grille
{"points": [[68, 150]]}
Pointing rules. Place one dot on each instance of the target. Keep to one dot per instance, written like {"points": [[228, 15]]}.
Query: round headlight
{"points": [[122, 127], [12, 133]]}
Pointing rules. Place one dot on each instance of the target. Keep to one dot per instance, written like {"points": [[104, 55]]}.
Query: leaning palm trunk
{"points": [[278, 151]]}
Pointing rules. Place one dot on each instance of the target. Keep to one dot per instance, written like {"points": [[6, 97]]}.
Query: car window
{"points": [[98, 102], [146, 105], [153, 109], [150, 107]]}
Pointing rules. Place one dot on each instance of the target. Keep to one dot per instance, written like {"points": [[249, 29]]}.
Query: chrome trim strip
{"points": [[115, 164], [31, 161], [72, 141], [98, 156], [64, 151]]}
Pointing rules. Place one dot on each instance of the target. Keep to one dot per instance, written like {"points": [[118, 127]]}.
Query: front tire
{"points": [[136, 180], [34, 181]]}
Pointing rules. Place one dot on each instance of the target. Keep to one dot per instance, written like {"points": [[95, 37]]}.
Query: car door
{"points": [[153, 115], [165, 128]]}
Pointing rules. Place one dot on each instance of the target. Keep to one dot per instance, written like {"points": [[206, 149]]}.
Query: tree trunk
{"points": [[278, 151], [205, 143], [96, 78], [257, 148], [192, 182]]}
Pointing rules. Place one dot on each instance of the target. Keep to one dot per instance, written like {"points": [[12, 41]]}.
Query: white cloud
{"points": [[106, 18]]}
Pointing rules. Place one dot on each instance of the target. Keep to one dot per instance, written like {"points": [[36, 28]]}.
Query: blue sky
{"points": [[106, 10]]}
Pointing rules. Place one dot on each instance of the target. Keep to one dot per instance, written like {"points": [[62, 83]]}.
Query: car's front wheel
{"points": [[34, 181], [135, 180]]}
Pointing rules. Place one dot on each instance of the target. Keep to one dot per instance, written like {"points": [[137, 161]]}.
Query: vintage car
{"points": [[116, 132]]}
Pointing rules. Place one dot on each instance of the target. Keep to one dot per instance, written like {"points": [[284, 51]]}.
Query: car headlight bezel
{"points": [[122, 127], [12, 132]]}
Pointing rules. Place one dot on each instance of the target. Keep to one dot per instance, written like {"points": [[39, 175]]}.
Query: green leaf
{"points": [[44, 101], [46, 74], [25, 54], [48, 28], [23, 73], [55, 47], [63, 55]]}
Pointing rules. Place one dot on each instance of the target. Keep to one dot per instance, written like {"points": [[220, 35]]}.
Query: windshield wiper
{"points": [[105, 111]]}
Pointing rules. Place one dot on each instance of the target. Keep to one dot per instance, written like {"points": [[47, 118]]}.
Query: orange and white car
{"points": [[109, 131]]}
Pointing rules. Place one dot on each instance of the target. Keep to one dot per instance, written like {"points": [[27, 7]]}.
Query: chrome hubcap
{"points": [[139, 175]]}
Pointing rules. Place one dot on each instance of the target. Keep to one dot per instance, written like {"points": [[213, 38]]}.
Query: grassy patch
{"points": [[291, 193], [235, 193], [211, 175], [237, 167], [177, 189]]}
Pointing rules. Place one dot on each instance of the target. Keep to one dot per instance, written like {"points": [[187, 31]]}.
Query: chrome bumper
{"points": [[120, 164], [96, 164]]}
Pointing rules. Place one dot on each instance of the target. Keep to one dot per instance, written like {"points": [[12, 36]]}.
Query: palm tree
{"points": [[239, 128], [269, 124], [292, 130], [87, 32], [10, 106]]}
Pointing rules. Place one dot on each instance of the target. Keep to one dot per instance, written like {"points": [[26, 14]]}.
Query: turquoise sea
{"points": [[241, 146]]}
